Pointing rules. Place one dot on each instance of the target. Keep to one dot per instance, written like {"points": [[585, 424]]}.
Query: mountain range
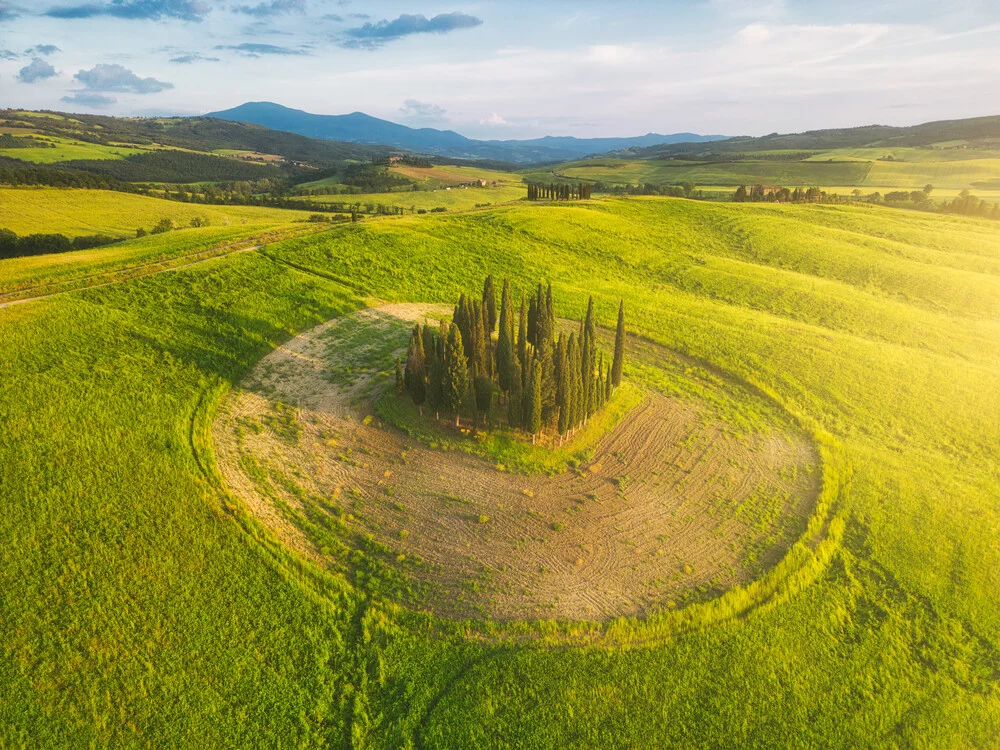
{"points": [[357, 127]]}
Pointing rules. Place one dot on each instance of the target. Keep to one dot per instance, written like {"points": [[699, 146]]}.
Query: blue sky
{"points": [[513, 69]]}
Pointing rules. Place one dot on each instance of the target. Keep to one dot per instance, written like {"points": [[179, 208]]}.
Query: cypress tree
{"points": [[468, 334], [400, 383], [607, 386], [550, 311], [505, 344], [430, 347], [414, 377], [435, 370], [456, 380], [458, 316], [486, 337], [563, 392], [522, 345], [534, 411], [619, 359], [514, 401], [533, 320], [546, 319], [588, 357], [484, 395], [490, 304], [507, 309]]}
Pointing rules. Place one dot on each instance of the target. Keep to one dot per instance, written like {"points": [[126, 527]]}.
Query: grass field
{"points": [[623, 171], [455, 199], [66, 150], [954, 169], [42, 274], [29, 210], [431, 178], [145, 606], [923, 155], [450, 175]]}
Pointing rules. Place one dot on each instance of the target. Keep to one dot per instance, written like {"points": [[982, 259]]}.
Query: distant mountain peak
{"points": [[359, 127]]}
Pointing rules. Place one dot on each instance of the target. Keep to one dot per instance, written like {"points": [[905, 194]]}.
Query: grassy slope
{"points": [[141, 606], [449, 175], [55, 271], [80, 212], [67, 149], [953, 170], [456, 199]]}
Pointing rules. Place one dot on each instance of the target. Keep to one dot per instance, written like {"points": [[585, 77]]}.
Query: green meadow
{"points": [[451, 199], [65, 149], [868, 169], [143, 605], [30, 210]]}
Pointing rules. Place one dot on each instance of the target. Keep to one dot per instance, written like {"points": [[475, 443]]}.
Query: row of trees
{"points": [[12, 246], [965, 203], [559, 192], [683, 190], [778, 194], [493, 365]]}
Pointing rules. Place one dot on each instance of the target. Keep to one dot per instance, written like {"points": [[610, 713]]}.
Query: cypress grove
{"points": [[481, 367]]}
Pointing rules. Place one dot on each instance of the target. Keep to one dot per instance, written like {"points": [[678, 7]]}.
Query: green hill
{"points": [[146, 606]]}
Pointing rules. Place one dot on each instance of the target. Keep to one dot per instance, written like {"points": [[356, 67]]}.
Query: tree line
{"points": [[559, 191], [498, 367], [682, 190], [12, 246], [965, 204]]}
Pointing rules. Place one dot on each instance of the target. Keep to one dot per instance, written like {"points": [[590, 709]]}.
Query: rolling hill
{"points": [[979, 132], [358, 127]]}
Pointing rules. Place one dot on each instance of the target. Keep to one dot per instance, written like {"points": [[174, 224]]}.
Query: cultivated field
{"points": [[672, 505], [952, 169], [146, 604], [66, 150], [450, 175], [455, 199], [31, 210]]}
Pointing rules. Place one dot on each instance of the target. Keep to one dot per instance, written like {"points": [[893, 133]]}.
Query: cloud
{"points": [[8, 12], [43, 49], [118, 78], [414, 108], [494, 120], [193, 57], [262, 28], [150, 10], [250, 49], [332, 17], [272, 8], [6, 54], [90, 100], [754, 33], [375, 35], [37, 70]]}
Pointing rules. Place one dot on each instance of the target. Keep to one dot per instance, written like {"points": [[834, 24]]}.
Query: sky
{"points": [[514, 69]]}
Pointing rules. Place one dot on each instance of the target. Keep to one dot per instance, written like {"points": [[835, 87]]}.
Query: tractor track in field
{"points": [[671, 505], [131, 273], [143, 270]]}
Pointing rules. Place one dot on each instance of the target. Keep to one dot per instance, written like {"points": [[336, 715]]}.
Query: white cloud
{"points": [[494, 120], [754, 33]]}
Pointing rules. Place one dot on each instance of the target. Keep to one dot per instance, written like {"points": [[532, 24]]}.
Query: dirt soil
{"points": [[673, 507]]}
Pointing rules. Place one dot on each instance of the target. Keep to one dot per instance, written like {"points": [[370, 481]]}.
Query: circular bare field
{"points": [[700, 486]]}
